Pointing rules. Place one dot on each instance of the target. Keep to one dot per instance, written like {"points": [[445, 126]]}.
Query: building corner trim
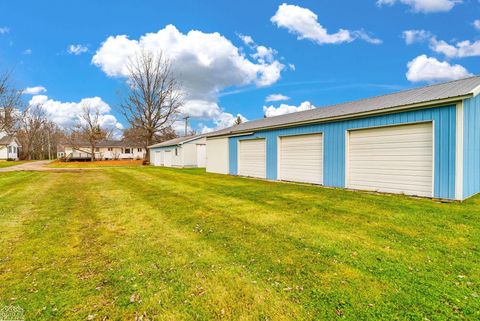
{"points": [[459, 152]]}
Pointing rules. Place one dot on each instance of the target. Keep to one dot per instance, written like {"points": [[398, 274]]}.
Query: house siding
{"points": [[471, 143], [443, 118]]}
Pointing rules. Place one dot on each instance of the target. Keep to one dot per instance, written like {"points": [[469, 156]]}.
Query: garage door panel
{"points": [[251, 158], [396, 159], [301, 158]]}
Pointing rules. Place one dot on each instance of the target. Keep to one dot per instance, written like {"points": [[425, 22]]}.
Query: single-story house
{"points": [[105, 150], [423, 142], [9, 146], [187, 151]]}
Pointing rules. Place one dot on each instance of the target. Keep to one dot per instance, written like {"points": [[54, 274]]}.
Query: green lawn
{"points": [[11, 163], [175, 244]]}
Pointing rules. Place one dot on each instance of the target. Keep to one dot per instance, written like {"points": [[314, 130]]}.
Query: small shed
{"points": [[187, 151]]}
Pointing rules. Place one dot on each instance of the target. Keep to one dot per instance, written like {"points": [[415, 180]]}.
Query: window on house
{"points": [[10, 149], [128, 150], [97, 149], [110, 149], [176, 151], [139, 150]]}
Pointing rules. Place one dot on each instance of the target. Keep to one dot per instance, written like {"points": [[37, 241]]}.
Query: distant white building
{"points": [[188, 151], [105, 150], [9, 146]]}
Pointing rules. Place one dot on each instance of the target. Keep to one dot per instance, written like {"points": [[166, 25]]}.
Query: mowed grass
{"points": [[172, 244], [102, 163], [11, 163]]}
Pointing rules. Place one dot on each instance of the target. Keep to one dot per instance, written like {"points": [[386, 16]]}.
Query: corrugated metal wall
{"points": [[444, 119], [471, 143]]}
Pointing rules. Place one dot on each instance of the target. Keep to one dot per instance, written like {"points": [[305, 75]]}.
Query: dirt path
{"points": [[38, 166]]}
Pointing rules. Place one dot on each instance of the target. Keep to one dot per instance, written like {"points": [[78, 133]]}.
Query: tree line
{"points": [[150, 103]]}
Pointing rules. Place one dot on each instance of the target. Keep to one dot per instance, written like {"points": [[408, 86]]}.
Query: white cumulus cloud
{"points": [[476, 24], [276, 97], [461, 49], [34, 90], [204, 63], [413, 36], [67, 114], [283, 109], [4, 30], [424, 6], [424, 68], [304, 23], [77, 49]]}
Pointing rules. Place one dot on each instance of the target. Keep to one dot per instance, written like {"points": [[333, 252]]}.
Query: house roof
{"points": [[449, 91], [105, 143], [7, 140], [177, 141]]}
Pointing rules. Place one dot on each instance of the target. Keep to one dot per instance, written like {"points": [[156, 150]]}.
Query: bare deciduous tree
{"points": [[36, 134], [89, 128], [10, 105], [154, 97], [238, 120]]}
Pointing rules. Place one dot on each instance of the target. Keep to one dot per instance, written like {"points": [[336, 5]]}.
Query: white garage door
{"points": [[301, 158], [167, 158], [396, 159], [251, 158]]}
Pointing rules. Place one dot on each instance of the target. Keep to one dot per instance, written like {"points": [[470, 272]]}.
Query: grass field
{"points": [[170, 244], [11, 163], [106, 163]]}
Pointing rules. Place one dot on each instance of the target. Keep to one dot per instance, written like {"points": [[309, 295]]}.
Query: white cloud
{"points": [[424, 6], [27, 51], [276, 97], [66, 114], [413, 36], [363, 35], [224, 121], [304, 23], [459, 50], [283, 109], [429, 69], [77, 49], [476, 24], [34, 90], [204, 63], [4, 30], [246, 39]]}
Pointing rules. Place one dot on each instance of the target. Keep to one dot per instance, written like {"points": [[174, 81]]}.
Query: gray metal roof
{"points": [[432, 93], [6, 140], [177, 141]]}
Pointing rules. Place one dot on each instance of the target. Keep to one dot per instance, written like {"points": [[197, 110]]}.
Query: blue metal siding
{"points": [[471, 146], [334, 133]]}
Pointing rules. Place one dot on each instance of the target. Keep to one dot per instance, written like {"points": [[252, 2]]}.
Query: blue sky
{"points": [[231, 55]]}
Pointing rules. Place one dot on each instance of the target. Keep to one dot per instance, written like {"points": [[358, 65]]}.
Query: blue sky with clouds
{"points": [[236, 57]]}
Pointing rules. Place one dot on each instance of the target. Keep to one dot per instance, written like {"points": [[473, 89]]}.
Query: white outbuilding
{"points": [[187, 151]]}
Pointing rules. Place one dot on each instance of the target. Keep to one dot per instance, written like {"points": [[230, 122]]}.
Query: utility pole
{"points": [[49, 147], [186, 124]]}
